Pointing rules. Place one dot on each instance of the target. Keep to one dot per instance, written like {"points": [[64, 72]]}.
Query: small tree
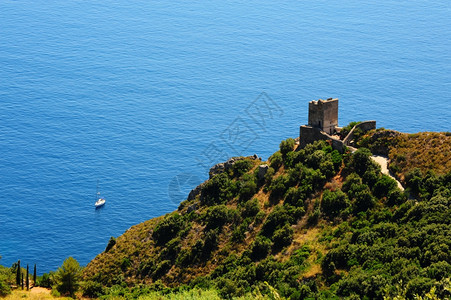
{"points": [[27, 278], [67, 277], [286, 146], [333, 203], [18, 273], [111, 244], [34, 275], [6, 279]]}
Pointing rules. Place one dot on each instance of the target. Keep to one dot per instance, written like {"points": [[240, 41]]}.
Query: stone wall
{"points": [[364, 126], [309, 134]]}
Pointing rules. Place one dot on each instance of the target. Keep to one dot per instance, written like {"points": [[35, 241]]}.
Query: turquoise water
{"points": [[145, 95]]}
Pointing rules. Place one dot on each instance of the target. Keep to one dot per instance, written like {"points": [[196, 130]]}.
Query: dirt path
{"points": [[40, 290], [383, 162]]}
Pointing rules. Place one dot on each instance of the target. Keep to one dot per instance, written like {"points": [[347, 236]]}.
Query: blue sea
{"points": [[144, 96]]}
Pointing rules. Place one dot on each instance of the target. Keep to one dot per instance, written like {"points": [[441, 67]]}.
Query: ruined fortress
{"points": [[323, 125]]}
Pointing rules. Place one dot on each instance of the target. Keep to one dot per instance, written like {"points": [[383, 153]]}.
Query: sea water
{"points": [[144, 96]]}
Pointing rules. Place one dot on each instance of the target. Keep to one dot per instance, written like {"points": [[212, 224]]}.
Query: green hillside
{"points": [[318, 224]]}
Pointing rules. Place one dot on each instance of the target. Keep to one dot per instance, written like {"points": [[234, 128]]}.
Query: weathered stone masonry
{"points": [[323, 123]]}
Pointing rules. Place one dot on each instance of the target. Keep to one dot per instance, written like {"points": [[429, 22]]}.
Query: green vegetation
{"points": [[345, 130], [425, 151], [67, 278], [6, 280], [319, 225]]}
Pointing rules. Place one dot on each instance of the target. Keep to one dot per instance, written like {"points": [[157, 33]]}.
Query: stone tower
{"points": [[323, 114]]}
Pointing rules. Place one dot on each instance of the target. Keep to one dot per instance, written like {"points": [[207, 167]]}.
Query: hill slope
{"points": [[313, 223]]}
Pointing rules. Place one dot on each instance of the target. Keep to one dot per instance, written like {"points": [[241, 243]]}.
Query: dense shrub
{"points": [[269, 176], [336, 158], [282, 237], [276, 160], [239, 233], [279, 186], [161, 269], [286, 146], [217, 216], [384, 186], [327, 168], [240, 167], [396, 197], [295, 197], [111, 244], [167, 229], [247, 186], [362, 198], [333, 203], [218, 190], [260, 248], [6, 280], [250, 208], [292, 158], [92, 289], [352, 178], [361, 160], [67, 277], [210, 243], [276, 219], [45, 280], [315, 159]]}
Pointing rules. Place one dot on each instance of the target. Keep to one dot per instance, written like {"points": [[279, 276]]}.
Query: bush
{"points": [[384, 186], [282, 237], [260, 248], [333, 203], [291, 159], [396, 197], [276, 160], [315, 159], [111, 243], [361, 160], [275, 220], [162, 268], [168, 228], [217, 216], [247, 187], [286, 146], [352, 178], [45, 280], [269, 175], [241, 167], [67, 278], [337, 158], [210, 242], [92, 289], [327, 168], [239, 234], [278, 187], [250, 209], [418, 286], [218, 190], [6, 280], [363, 199], [295, 197]]}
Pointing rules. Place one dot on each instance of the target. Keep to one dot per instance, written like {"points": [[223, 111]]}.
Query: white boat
{"points": [[100, 200]]}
